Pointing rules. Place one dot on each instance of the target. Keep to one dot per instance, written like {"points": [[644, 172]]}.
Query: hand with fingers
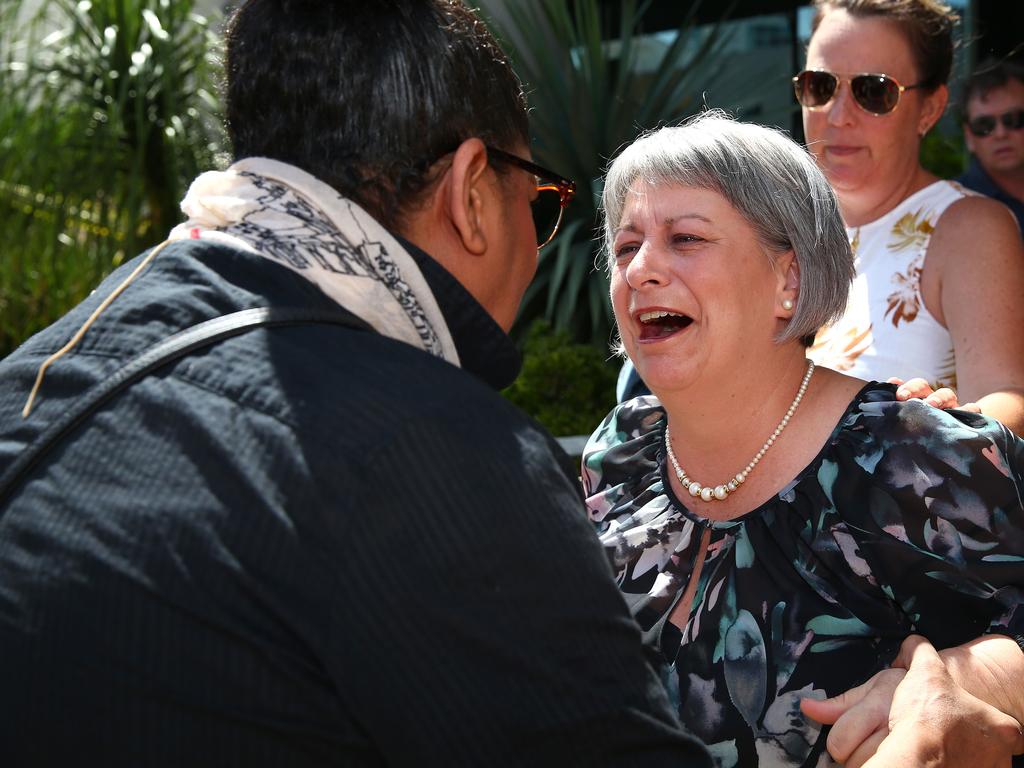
{"points": [[914, 714], [920, 389], [859, 717]]}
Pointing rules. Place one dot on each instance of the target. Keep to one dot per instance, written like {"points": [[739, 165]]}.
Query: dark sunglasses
{"points": [[986, 124], [877, 94], [553, 193]]}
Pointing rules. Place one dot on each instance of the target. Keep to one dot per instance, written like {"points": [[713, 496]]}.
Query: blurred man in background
{"points": [[994, 132]]}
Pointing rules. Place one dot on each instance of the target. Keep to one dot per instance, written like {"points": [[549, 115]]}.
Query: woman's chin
{"points": [[845, 177], [665, 379]]}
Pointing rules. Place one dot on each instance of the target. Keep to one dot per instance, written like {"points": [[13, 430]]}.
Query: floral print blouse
{"points": [[909, 520]]}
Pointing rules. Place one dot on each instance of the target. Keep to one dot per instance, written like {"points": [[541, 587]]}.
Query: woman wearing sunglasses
{"points": [[780, 529], [940, 272]]}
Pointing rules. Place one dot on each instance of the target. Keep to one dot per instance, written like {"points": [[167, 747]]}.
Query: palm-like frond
{"points": [[591, 91], [106, 111]]}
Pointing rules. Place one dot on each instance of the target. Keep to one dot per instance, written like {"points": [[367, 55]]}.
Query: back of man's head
{"points": [[367, 95]]}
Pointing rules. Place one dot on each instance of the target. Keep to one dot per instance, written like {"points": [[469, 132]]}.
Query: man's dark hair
{"points": [[367, 95], [991, 74]]}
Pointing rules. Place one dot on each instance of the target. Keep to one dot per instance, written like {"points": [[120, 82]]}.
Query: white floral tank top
{"points": [[887, 330]]}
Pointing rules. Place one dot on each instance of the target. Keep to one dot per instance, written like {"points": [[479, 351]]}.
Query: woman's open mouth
{"points": [[660, 324]]}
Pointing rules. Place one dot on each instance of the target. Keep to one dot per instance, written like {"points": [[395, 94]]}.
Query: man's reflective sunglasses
{"points": [[985, 124], [553, 193], [877, 94]]}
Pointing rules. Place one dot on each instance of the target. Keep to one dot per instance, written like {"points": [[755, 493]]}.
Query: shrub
{"points": [[567, 387]]}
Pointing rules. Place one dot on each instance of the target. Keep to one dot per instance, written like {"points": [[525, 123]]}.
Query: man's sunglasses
{"points": [[553, 193], [986, 124], [877, 94]]}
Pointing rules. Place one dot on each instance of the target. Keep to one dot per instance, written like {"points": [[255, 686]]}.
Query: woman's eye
{"points": [[683, 239], [626, 249]]}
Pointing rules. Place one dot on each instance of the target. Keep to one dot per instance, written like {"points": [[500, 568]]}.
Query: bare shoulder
{"points": [[977, 227], [977, 216], [835, 391]]}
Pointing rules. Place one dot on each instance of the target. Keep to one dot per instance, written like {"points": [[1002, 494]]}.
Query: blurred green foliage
{"points": [[107, 112], [568, 387], [943, 154]]}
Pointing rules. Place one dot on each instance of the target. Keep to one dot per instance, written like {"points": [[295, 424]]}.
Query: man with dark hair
{"points": [[260, 503], [994, 132]]}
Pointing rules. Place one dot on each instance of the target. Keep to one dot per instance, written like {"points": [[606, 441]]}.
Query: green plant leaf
{"points": [[103, 125], [580, 65], [563, 255]]}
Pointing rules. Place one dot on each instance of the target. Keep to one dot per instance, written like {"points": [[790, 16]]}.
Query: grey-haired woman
{"points": [[781, 529]]}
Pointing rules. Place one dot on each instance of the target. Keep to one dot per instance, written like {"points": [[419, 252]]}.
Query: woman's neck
{"points": [[718, 425], [714, 450], [862, 207]]}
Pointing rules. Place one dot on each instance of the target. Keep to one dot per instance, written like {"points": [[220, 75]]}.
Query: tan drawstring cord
{"points": [[85, 327]]}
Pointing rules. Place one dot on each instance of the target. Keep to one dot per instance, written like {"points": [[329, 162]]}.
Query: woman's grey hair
{"points": [[772, 181]]}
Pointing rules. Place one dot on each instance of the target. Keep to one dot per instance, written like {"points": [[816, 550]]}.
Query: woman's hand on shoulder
{"points": [[920, 389]]}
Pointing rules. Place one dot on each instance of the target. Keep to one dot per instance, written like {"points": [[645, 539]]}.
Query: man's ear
{"points": [[467, 194], [787, 268]]}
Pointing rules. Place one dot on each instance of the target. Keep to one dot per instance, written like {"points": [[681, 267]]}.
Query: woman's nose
{"points": [[645, 268], [842, 107]]}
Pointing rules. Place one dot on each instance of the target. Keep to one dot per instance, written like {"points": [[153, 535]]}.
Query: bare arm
{"points": [[974, 285]]}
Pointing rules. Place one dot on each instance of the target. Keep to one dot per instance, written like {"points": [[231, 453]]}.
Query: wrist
{"points": [[990, 668]]}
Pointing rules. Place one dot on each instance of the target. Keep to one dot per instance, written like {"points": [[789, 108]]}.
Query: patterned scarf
{"points": [[286, 215]]}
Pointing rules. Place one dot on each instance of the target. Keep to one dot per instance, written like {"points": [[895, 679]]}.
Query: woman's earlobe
{"points": [[789, 287]]}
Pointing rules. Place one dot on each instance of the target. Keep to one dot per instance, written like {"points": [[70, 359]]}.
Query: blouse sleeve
{"points": [[934, 499], [620, 459]]}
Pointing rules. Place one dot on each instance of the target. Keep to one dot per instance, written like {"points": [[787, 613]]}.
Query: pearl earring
{"points": [[787, 304]]}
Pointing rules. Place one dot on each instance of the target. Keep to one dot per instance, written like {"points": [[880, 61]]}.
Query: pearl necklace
{"points": [[719, 492]]}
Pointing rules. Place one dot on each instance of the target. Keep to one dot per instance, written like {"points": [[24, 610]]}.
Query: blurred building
{"points": [[763, 43]]}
